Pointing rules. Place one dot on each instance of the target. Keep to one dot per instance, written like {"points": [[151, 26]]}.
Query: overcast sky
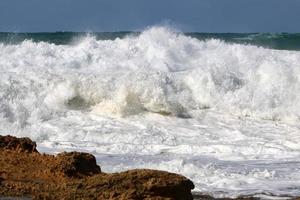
{"points": [[134, 15]]}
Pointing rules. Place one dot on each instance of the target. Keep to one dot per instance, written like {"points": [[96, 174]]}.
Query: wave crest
{"points": [[157, 71]]}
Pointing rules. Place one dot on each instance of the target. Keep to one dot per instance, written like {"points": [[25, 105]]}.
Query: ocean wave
{"points": [[159, 70]]}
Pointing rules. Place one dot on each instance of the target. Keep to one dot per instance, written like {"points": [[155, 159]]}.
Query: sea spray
{"points": [[192, 74]]}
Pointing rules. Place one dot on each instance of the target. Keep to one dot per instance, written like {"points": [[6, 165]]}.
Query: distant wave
{"points": [[280, 41]]}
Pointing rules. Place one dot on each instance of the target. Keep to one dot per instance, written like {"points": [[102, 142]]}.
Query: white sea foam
{"points": [[225, 115]]}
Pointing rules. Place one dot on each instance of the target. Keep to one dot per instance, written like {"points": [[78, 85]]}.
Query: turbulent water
{"points": [[221, 109]]}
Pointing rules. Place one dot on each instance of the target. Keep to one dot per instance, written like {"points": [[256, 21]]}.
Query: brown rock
{"points": [[75, 164], [17, 144], [142, 184], [77, 176]]}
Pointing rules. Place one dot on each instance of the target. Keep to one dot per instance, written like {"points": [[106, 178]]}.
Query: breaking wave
{"points": [[158, 70]]}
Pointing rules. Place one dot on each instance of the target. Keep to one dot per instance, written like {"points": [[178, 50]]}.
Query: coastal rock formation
{"points": [[17, 144], [27, 173], [75, 164]]}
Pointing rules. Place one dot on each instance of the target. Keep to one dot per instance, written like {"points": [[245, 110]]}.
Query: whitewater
{"points": [[225, 115]]}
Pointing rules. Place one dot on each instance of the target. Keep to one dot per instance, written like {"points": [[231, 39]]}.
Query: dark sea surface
{"points": [[280, 41]]}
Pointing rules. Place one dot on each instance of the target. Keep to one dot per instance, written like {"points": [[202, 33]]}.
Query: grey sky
{"points": [[117, 15]]}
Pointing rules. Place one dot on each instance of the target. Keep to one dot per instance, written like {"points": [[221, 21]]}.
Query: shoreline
{"points": [[27, 174]]}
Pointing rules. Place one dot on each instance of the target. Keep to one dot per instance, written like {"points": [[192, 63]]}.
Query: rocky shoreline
{"points": [[24, 172], [27, 174]]}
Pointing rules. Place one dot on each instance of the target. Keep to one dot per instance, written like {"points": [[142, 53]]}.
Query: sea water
{"points": [[221, 109]]}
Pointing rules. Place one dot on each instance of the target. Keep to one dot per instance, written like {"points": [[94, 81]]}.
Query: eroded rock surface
{"points": [[25, 172], [17, 144], [75, 164]]}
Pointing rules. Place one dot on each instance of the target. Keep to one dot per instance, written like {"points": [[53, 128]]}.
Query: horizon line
{"points": [[127, 31]]}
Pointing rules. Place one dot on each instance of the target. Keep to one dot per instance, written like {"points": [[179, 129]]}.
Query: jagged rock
{"points": [[75, 164], [143, 184], [17, 144], [77, 176]]}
